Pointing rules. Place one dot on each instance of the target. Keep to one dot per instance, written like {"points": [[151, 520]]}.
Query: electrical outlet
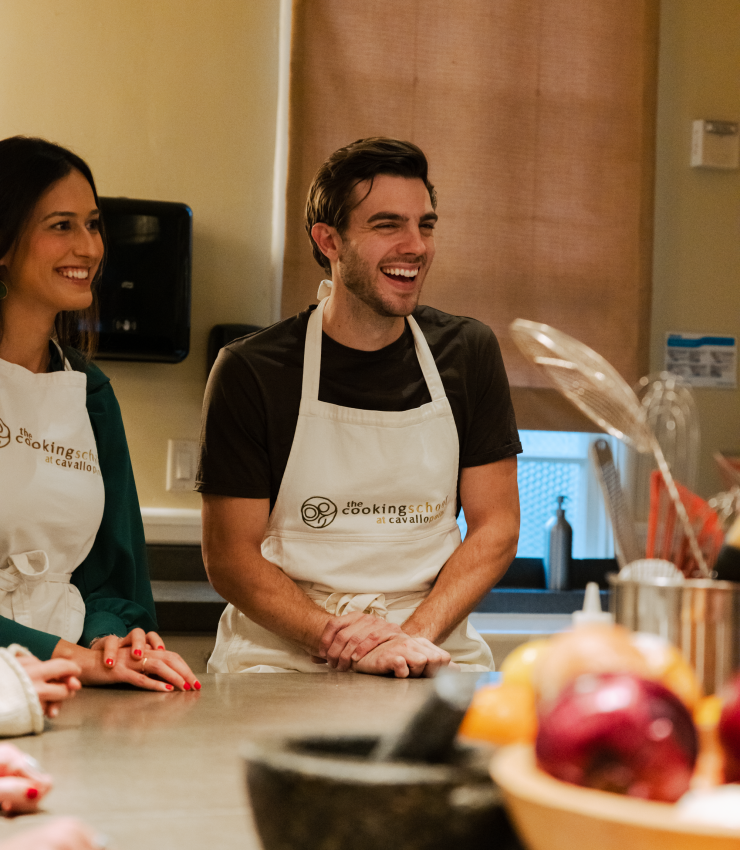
{"points": [[182, 462]]}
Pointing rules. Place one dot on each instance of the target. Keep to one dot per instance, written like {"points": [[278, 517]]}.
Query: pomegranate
{"points": [[618, 732], [729, 731]]}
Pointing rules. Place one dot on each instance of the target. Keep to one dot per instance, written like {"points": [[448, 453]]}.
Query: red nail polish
{"points": [[160, 647], [109, 662], [186, 686], [197, 686], [32, 793], [169, 687], [137, 653]]}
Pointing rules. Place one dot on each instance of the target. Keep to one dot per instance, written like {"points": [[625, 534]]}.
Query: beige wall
{"points": [[176, 101], [173, 101], [696, 280]]}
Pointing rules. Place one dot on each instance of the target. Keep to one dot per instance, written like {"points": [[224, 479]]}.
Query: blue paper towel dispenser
{"points": [[144, 292]]}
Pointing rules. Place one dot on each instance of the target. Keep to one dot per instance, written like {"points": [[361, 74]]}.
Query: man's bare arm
{"points": [[490, 499], [232, 536]]}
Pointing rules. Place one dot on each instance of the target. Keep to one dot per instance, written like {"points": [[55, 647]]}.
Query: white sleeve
{"points": [[20, 709]]}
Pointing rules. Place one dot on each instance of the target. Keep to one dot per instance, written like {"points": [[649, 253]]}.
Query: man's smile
{"points": [[399, 273]]}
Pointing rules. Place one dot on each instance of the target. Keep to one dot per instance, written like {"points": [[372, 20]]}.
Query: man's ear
{"points": [[328, 240]]}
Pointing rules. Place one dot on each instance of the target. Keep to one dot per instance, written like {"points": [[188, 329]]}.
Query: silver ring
{"points": [[101, 840], [143, 662]]}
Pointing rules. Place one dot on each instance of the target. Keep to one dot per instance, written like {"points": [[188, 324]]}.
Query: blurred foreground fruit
{"points": [[501, 714], [519, 664], [619, 733], [710, 764], [667, 665], [591, 649], [729, 731]]}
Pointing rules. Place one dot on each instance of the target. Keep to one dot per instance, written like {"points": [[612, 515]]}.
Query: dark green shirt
{"points": [[113, 580]]}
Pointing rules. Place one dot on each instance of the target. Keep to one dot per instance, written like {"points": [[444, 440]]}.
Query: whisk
{"points": [[670, 412], [599, 391]]}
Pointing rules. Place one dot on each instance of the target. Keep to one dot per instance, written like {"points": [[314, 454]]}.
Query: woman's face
{"points": [[53, 264]]}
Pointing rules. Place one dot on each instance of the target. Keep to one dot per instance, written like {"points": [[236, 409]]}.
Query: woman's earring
{"points": [[3, 289]]}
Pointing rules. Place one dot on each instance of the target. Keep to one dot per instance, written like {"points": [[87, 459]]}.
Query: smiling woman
{"points": [[73, 575]]}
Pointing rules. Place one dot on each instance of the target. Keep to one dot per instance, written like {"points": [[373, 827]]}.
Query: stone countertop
{"points": [[157, 771]]}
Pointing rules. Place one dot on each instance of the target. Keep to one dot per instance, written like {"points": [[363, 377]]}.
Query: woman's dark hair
{"points": [[331, 190], [28, 167]]}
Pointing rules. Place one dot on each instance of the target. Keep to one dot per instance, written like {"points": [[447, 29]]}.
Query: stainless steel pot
{"points": [[699, 616]]}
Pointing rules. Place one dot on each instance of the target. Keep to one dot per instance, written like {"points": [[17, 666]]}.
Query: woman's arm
{"points": [[41, 644], [113, 579]]}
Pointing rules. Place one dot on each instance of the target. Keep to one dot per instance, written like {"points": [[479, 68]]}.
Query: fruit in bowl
{"points": [[621, 733], [729, 732]]}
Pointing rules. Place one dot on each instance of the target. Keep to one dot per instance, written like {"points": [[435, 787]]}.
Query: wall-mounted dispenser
{"points": [[145, 288]]}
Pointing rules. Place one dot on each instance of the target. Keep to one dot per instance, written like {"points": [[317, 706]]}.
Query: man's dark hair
{"points": [[331, 190], [28, 168]]}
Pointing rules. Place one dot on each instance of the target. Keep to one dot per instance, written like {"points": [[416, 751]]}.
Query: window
{"points": [[556, 463]]}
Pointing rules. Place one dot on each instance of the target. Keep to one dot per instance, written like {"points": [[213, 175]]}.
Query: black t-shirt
{"points": [[254, 391]]}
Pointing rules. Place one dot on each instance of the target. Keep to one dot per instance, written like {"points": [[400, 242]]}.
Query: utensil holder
{"points": [[699, 616]]}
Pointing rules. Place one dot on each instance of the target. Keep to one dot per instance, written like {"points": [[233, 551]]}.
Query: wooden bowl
{"points": [[554, 815]]}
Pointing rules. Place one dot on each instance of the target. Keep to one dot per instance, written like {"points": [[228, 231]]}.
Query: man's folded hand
{"points": [[349, 638], [404, 657]]}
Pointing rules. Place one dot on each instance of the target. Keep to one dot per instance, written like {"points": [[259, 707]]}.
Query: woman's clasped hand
{"points": [[22, 782], [139, 659], [54, 681], [23, 785]]}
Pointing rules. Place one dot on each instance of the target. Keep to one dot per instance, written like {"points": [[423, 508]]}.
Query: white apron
{"points": [[364, 519], [51, 497]]}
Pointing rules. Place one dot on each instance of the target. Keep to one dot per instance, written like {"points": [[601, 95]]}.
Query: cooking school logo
{"points": [[65, 457], [319, 512]]}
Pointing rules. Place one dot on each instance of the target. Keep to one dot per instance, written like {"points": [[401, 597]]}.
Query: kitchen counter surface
{"points": [[163, 770]]}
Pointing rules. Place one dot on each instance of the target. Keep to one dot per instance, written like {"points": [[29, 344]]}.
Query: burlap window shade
{"points": [[538, 120]]}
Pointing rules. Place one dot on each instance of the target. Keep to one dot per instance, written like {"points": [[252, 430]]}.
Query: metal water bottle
{"points": [[558, 548]]}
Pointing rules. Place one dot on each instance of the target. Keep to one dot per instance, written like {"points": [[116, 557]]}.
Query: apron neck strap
{"points": [[312, 357], [65, 363]]}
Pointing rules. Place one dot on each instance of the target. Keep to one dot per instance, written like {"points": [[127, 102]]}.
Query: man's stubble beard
{"points": [[359, 279]]}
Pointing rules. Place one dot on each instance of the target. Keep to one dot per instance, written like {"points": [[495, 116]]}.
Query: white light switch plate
{"points": [[182, 462], [715, 144]]}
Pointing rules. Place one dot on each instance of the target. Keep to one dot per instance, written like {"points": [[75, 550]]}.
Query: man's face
{"points": [[388, 246]]}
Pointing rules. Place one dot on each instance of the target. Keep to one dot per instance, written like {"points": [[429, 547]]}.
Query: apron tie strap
{"points": [[19, 576], [343, 602], [349, 603]]}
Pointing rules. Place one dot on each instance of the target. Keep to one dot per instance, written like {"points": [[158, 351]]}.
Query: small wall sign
{"points": [[702, 360]]}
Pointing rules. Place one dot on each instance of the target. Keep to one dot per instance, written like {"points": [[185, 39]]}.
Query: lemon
{"points": [[518, 665]]}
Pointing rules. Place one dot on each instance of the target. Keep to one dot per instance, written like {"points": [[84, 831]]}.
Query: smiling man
{"points": [[338, 445]]}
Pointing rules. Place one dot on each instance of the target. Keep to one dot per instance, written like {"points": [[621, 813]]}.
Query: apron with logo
{"points": [[51, 497], [364, 519]]}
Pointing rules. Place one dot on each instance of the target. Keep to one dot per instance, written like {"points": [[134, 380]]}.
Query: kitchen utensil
{"points": [[665, 538], [625, 541], [430, 733], [647, 568], [599, 391], [699, 616], [726, 504], [325, 793], [729, 471], [670, 412], [554, 815]]}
